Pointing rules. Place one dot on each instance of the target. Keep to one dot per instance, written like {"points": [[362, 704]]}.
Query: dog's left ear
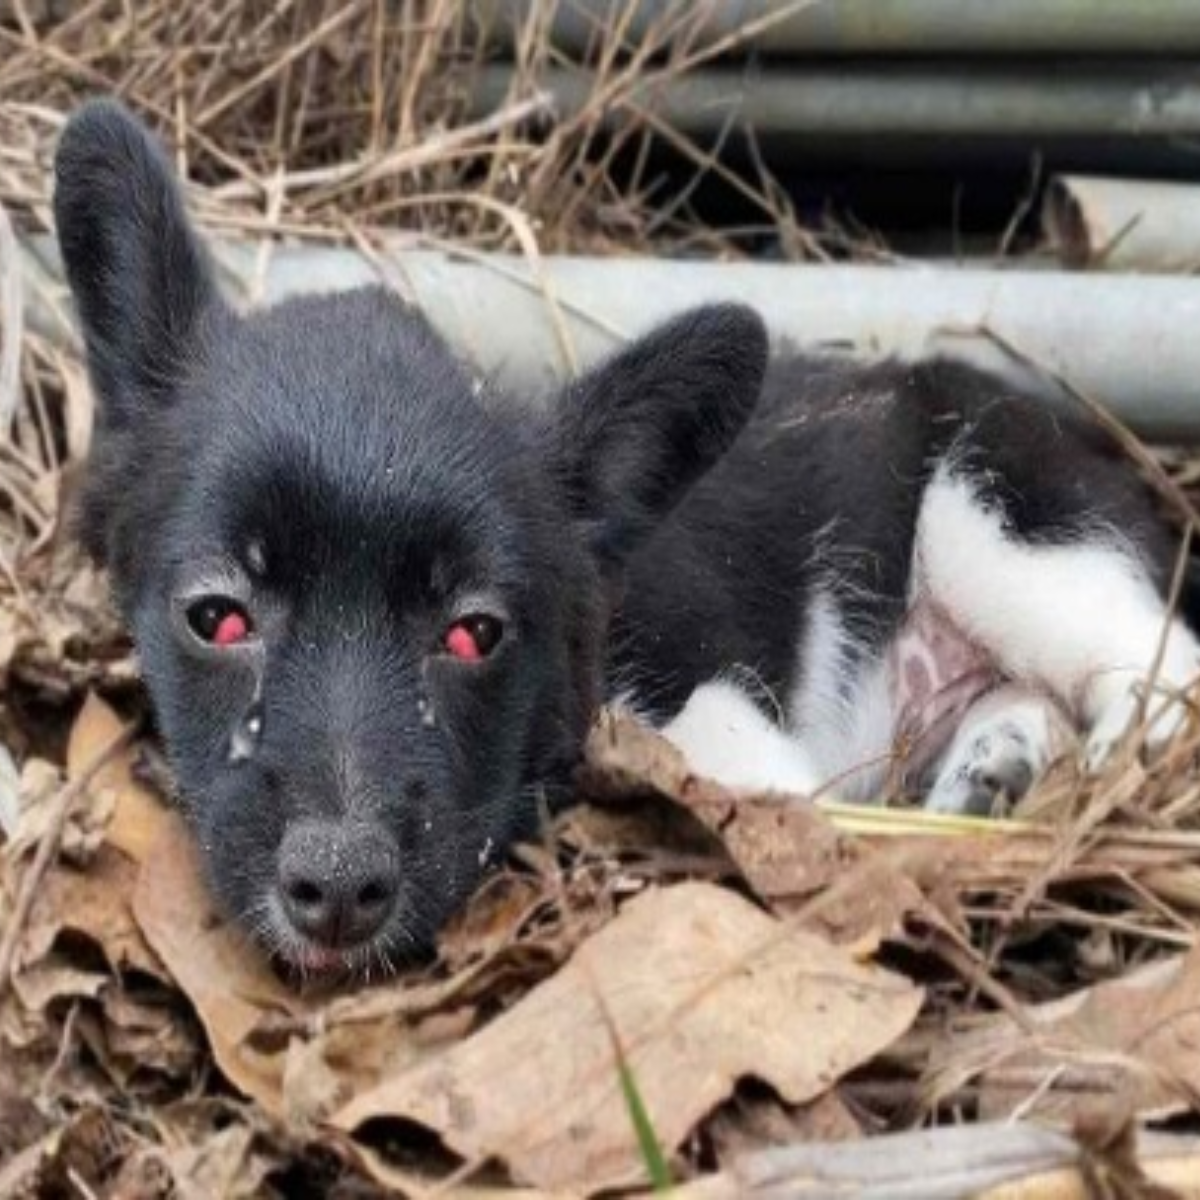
{"points": [[633, 435]]}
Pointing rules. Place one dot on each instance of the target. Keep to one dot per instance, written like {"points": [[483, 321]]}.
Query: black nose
{"points": [[338, 880]]}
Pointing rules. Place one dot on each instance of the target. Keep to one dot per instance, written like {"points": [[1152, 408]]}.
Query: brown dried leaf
{"points": [[96, 904], [230, 986], [412, 1184], [754, 1122], [21, 1121], [67, 638], [787, 851], [143, 1034], [83, 832], [702, 988], [138, 814], [73, 1159], [491, 920], [1109, 1159], [50, 981], [222, 1165], [1132, 1042], [338, 1062]]}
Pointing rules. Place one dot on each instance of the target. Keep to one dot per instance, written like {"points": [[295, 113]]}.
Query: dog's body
{"points": [[926, 579], [378, 605]]}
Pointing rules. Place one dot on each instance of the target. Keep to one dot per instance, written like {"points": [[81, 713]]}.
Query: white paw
{"points": [[997, 763], [1165, 716], [725, 738]]}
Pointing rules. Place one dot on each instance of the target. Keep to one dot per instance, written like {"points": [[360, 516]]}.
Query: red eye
{"points": [[473, 638], [219, 621]]}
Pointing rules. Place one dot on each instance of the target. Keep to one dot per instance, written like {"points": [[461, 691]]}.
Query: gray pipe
{"points": [[1129, 341], [894, 26], [823, 102], [1123, 224]]}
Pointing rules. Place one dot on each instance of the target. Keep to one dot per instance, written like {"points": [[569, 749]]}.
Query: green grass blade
{"points": [[648, 1143]]}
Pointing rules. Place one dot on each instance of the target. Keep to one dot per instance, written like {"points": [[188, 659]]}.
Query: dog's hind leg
{"points": [[1080, 617]]}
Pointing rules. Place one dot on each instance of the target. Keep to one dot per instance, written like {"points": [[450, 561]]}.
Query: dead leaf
{"points": [[141, 1033], [39, 781], [81, 834], [787, 850], [67, 638], [70, 1160], [96, 904], [1109, 1159], [702, 988], [10, 795], [21, 1121], [138, 814], [416, 1185], [50, 982], [219, 1166], [749, 1123], [490, 921], [230, 986], [1132, 1043]]}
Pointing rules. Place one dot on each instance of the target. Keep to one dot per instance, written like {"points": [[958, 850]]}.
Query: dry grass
{"points": [[297, 116], [344, 120]]}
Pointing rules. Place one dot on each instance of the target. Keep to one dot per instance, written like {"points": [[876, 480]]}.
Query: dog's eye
{"points": [[219, 621], [474, 637]]}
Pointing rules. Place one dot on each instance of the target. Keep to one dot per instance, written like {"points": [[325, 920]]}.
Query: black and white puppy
{"points": [[377, 604]]}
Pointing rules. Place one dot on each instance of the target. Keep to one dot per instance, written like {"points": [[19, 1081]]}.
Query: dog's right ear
{"points": [[140, 277], [636, 432]]}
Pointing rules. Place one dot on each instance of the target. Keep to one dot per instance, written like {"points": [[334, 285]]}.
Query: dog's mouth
{"points": [[305, 960], [313, 959], [301, 957]]}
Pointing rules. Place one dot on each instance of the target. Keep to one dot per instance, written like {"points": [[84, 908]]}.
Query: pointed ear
{"points": [[635, 434], [139, 275]]}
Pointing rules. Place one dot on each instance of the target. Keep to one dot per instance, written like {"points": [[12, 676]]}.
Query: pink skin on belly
{"points": [[935, 674]]}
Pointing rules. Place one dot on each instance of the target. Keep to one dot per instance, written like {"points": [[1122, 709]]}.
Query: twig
{"points": [[12, 323], [60, 810], [955, 1161], [298, 50], [406, 159]]}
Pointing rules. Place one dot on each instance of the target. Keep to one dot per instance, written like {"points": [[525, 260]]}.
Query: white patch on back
{"points": [[1083, 620]]}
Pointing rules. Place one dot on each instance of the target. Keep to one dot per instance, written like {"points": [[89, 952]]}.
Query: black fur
{"points": [[343, 478], [846, 448], [339, 437]]}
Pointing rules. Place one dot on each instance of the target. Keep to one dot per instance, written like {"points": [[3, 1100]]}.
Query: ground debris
{"points": [[785, 985], [768, 976]]}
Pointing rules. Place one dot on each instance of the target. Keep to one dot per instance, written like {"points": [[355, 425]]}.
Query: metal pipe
{"points": [[1122, 224], [888, 26], [1123, 101], [1129, 341]]}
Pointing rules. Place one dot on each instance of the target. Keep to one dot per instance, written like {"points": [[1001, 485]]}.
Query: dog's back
{"points": [[885, 548]]}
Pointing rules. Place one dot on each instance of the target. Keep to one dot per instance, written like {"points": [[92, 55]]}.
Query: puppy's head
{"points": [[369, 597]]}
